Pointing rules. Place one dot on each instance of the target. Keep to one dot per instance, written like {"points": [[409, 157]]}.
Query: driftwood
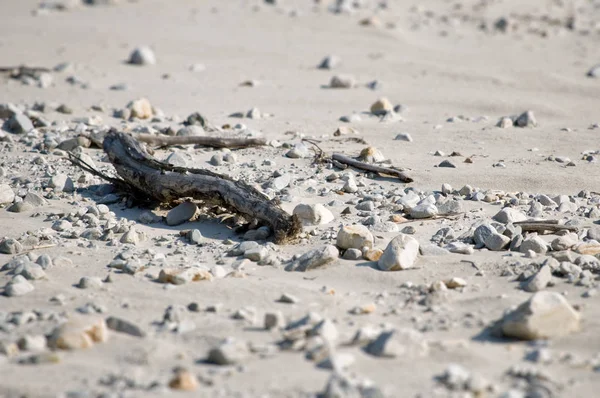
{"points": [[370, 167], [348, 161], [215, 142], [17, 72], [545, 225], [165, 183]]}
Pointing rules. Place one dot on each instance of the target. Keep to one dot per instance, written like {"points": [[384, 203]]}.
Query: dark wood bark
{"points": [[215, 142], [166, 183]]}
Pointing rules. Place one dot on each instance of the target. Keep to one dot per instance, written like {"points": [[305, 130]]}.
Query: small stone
{"points": [[141, 108], [496, 242], [288, 299], [398, 343], [352, 254], [540, 280], [401, 253], [216, 159], [254, 113], [90, 282], [534, 244], [313, 214], [505, 122], [509, 215], [184, 381], [18, 286], [314, 259], [526, 119], [195, 236], [61, 183], [354, 237], [274, 320], [34, 199], [381, 107], [403, 137], [20, 207], [78, 333], [342, 81], [372, 254], [10, 246], [455, 283], [371, 155], [330, 62], [594, 71], [124, 326], [299, 151], [425, 210], [447, 163], [131, 237], [32, 343], [181, 213], [228, 352], [257, 254], [7, 195], [19, 124], [142, 56], [545, 315], [350, 186]]}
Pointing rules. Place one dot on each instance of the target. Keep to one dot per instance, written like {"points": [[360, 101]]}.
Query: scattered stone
{"points": [[401, 253], [594, 71], [18, 286], [526, 119], [402, 342], [314, 259], [142, 56], [372, 254], [540, 280], [354, 237], [534, 244], [141, 108], [181, 213], [330, 62], [496, 242], [78, 333], [509, 215], [228, 352], [447, 163], [32, 343], [61, 183], [195, 236], [352, 254], [299, 151], [545, 315], [7, 195], [19, 124], [124, 326], [455, 283], [425, 210], [381, 107], [274, 320], [184, 381], [403, 137], [288, 299], [342, 81], [313, 214], [90, 282]]}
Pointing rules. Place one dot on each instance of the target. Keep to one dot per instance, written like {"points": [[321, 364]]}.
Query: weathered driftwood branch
{"points": [[370, 167], [543, 226], [215, 142], [166, 183]]}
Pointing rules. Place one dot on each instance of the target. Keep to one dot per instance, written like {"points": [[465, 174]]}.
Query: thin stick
{"points": [[371, 167], [540, 227], [215, 142]]}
